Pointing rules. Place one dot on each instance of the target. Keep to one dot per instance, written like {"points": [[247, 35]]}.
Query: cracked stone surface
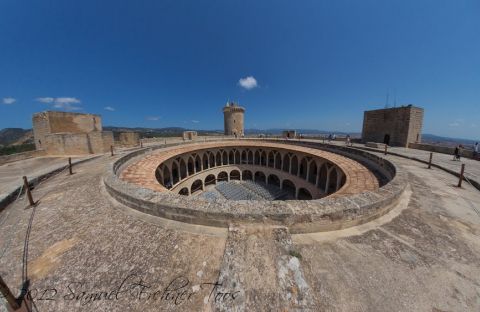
{"points": [[88, 252]]}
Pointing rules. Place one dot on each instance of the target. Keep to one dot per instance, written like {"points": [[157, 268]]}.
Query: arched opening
{"points": [[278, 161], [247, 175], [224, 158], [323, 177], [263, 159], [244, 157], [289, 187], [312, 172], [198, 164], [183, 169], [237, 157], [167, 178], [222, 176], [303, 169], [184, 191], [196, 186], [175, 173], [332, 181], [159, 174], [205, 161], [250, 157], [260, 177], [210, 179], [191, 166], [212, 160], [231, 158], [386, 139], [235, 175], [218, 159], [294, 165], [273, 180], [257, 157], [286, 163], [304, 194], [271, 159], [342, 181]]}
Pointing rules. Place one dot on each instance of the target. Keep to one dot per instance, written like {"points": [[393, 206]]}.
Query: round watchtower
{"points": [[233, 117]]}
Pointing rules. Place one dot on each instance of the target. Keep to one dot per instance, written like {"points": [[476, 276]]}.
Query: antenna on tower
{"points": [[395, 97], [386, 102]]}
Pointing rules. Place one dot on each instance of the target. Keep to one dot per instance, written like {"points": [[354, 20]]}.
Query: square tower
{"points": [[396, 126], [65, 133]]}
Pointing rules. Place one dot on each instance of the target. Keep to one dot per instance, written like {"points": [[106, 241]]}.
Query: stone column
{"points": [[339, 179], [328, 180], [308, 171]]}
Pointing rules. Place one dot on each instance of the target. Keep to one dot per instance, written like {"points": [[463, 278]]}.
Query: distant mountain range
{"points": [[435, 139], [17, 136]]}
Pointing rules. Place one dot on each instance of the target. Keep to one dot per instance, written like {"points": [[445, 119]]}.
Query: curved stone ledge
{"points": [[330, 213]]}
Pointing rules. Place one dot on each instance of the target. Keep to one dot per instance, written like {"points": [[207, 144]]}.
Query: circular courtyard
{"points": [[307, 186]]}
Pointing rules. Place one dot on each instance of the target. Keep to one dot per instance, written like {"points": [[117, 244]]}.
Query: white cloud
{"points": [[454, 124], [152, 118], [248, 82], [8, 100], [65, 100], [473, 125], [66, 103], [195, 121], [45, 99], [109, 108]]}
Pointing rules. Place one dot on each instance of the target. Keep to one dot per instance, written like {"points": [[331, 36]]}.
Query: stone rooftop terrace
{"points": [[424, 255]]}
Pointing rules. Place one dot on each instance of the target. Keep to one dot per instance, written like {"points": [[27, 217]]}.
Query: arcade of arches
{"points": [[304, 175]]}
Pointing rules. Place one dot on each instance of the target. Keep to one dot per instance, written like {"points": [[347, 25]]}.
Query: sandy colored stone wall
{"points": [[129, 138], [402, 124], [40, 129], [107, 141], [78, 143], [74, 122], [189, 135], [64, 133]]}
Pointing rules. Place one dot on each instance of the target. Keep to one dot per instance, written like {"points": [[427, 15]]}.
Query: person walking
{"points": [[475, 150], [456, 153]]}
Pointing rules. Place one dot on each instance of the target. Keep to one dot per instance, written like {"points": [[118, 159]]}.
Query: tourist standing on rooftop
{"points": [[456, 153]]}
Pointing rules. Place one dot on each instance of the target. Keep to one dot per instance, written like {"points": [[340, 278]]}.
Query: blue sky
{"points": [[317, 64]]}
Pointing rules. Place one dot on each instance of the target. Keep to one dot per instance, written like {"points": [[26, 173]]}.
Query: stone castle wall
{"points": [[189, 135], [399, 126], [129, 138], [78, 143], [40, 129], [74, 122], [63, 133]]}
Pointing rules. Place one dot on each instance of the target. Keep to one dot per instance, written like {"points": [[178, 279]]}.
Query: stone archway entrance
{"points": [[386, 139]]}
